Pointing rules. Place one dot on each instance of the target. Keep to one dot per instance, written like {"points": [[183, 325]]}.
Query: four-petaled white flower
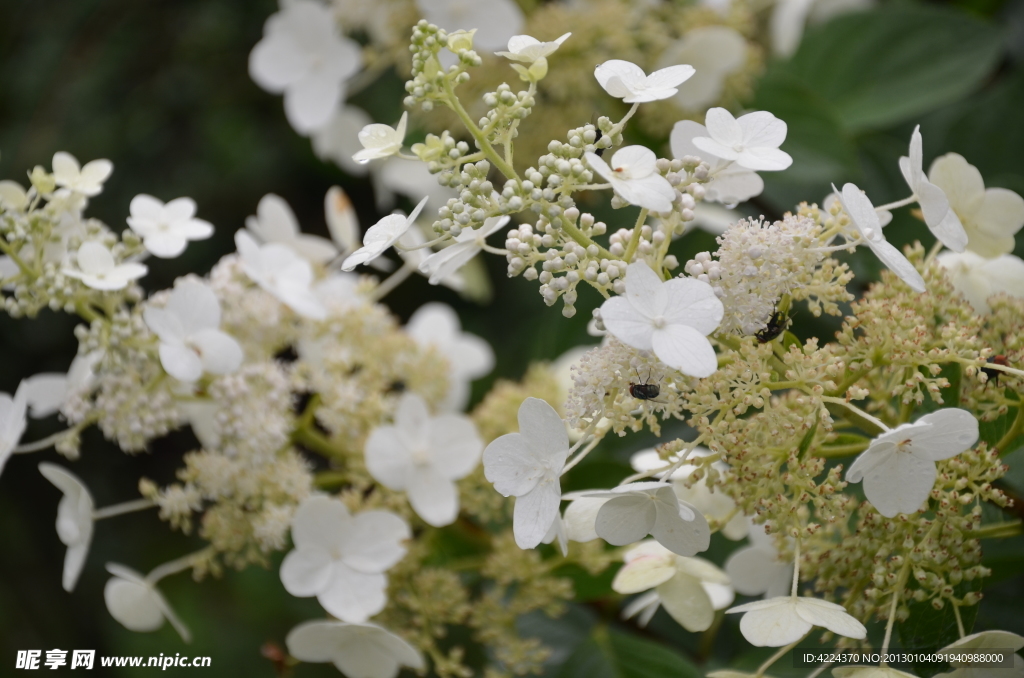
{"points": [[627, 81], [467, 245], [191, 342], [715, 52], [528, 49], [751, 141], [633, 175], [671, 318], [98, 270], [357, 650], [495, 21], [991, 216], [786, 619], [303, 55], [690, 589], [527, 465], [730, 183], [978, 278], [865, 221], [898, 468], [940, 219], [979, 642], [166, 229], [423, 456], [756, 569], [469, 357], [341, 558], [636, 510], [381, 141], [134, 601], [74, 520], [275, 222], [279, 270], [88, 180], [381, 236]]}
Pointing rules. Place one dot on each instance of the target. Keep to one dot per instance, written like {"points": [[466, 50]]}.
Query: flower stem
{"points": [[391, 282], [796, 568], [1016, 429], [776, 657], [892, 619], [959, 621], [174, 566], [578, 235], [897, 204], [122, 508], [1010, 528], [634, 241], [858, 413], [478, 135]]}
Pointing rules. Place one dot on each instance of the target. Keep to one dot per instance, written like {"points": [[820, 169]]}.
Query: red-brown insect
{"points": [[993, 375]]}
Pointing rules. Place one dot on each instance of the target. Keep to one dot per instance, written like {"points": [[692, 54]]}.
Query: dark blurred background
{"points": [[161, 89]]}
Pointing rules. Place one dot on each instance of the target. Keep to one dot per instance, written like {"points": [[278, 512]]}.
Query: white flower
{"points": [[979, 642], [756, 569], [633, 175], [98, 270], [134, 601], [12, 423], [410, 249], [715, 52], [381, 141], [338, 140], [467, 245], [276, 223], [357, 650], [191, 342], [341, 558], [581, 515], [636, 510], [978, 278], [786, 619], [627, 81], [166, 229], [423, 456], [303, 56], [44, 393], [671, 318], [495, 21], [690, 589], [86, 180], [469, 357], [281, 272], [751, 141], [730, 183], [74, 520], [865, 220], [898, 468], [716, 505], [381, 236], [528, 49], [527, 465], [991, 216], [940, 219]]}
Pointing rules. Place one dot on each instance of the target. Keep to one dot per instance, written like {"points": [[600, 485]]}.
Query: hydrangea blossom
{"points": [[941, 220], [276, 223], [74, 520], [423, 456], [898, 468], [303, 56], [357, 650], [634, 177], [776, 622], [731, 183], [751, 141], [341, 558], [636, 510], [98, 270], [990, 216], [978, 278], [527, 49], [381, 236], [469, 357], [467, 245], [134, 601], [690, 589], [756, 569], [166, 229], [979, 642], [715, 52], [527, 466], [865, 221], [191, 342], [495, 21], [281, 272], [381, 141], [627, 81], [88, 180], [671, 318]]}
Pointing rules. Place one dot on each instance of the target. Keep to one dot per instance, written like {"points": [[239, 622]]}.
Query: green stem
{"points": [[316, 442], [776, 657], [997, 530], [328, 479], [6, 249], [864, 420], [478, 135], [827, 451], [1016, 429], [578, 235], [634, 241]]}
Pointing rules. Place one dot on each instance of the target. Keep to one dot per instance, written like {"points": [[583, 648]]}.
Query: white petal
{"points": [[341, 217], [434, 497], [455, 447], [369, 651], [543, 431], [831, 616], [180, 361], [310, 103], [671, 77], [679, 535], [773, 625], [627, 324], [94, 258], [752, 570], [353, 596], [165, 245], [388, 459], [900, 483], [685, 349], [276, 62], [685, 599], [275, 221], [580, 518], [692, 302], [373, 541], [762, 129], [44, 393], [898, 264], [619, 78], [132, 604], [652, 192], [512, 466], [723, 127], [764, 159], [315, 641], [219, 352], [534, 512], [306, 571], [319, 521], [626, 519], [646, 292], [950, 432], [644, 573]]}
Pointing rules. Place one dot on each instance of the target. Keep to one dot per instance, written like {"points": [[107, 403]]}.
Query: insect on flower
{"points": [[644, 390], [993, 375], [776, 325]]}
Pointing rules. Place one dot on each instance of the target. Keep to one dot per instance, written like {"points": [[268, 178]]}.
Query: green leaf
{"points": [[927, 629], [613, 654]]}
